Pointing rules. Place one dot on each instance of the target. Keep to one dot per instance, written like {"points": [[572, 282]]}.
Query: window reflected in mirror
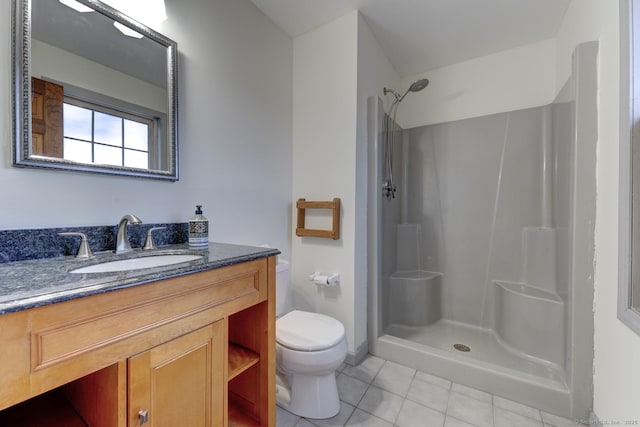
{"points": [[91, 136], [93, 130]]}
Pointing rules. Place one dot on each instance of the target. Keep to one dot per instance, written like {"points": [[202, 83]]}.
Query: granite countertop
{"points": [[34, 283]]}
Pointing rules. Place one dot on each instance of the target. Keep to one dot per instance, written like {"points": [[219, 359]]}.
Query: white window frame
{"points": [[95, 107], [629, 192], [158, 159]]}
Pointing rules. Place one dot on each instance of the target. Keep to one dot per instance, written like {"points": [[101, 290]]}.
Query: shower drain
{"points": [[462, 347]]}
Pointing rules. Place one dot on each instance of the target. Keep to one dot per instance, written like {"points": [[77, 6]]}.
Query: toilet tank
{"points": [[283, 287]]}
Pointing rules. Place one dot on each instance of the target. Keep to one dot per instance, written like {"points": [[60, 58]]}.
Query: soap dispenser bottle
{"points": [[198, 230]]}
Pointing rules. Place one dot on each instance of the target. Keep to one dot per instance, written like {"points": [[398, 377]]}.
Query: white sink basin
{"points": [[137, 263]]}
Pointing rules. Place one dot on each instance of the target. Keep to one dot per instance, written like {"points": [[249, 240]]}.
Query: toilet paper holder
{"points": [[323, 279]]}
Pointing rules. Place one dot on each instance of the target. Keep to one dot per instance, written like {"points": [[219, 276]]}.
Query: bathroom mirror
{"points": [[94, 91]]}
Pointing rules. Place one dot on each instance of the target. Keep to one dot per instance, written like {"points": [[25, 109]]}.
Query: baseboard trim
{"points": [[361, 352]]}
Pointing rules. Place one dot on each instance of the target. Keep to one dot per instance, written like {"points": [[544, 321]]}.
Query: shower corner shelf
{"points": [[334, 205]]}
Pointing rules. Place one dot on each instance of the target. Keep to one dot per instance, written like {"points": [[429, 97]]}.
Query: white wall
{"points": [[510, 80], [336, 67], [324, 159], [234, 129], [616, 367]]}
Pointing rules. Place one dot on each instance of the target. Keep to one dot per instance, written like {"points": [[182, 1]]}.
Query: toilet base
{"points": [[309, 396]]}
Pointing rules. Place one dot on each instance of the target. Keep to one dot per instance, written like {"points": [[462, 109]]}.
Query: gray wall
{"points": [[389, 218]]}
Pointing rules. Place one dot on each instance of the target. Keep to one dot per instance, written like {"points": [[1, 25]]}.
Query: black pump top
{"points": [[198, 209]]}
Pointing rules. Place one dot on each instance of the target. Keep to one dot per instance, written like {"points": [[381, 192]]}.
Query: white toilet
{"points": [[309, 348]]}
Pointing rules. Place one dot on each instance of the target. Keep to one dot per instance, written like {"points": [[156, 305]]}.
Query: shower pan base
{"points": [[490, 365]]}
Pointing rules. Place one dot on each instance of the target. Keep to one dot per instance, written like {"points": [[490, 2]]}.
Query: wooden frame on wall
{"points": [[334, 205]]}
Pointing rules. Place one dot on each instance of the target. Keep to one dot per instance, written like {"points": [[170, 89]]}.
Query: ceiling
{"points": [[419, 35], [93, 36]]}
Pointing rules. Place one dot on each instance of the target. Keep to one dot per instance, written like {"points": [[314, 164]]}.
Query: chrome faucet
{"points": [[122, 238]]}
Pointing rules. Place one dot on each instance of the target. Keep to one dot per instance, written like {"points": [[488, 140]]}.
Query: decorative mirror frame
{"points": [[21, 81]]}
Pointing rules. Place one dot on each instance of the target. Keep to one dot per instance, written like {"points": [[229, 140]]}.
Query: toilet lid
{"points": [[301, 330]]}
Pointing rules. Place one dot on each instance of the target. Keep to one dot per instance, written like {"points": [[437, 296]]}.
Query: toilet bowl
{"points": [[309, 348]]}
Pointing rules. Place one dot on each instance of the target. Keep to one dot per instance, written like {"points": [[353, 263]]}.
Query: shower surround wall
{"points": [[481, 248], [477, 202], [474, 185]]}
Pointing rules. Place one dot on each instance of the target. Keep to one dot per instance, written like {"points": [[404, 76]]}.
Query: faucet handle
{"points": [[150, 244], [84, 251]]}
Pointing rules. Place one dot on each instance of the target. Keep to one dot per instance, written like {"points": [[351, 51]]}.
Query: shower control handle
{"points": [[389, 190]]}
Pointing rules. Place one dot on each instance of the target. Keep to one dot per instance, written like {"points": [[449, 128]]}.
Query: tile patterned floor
{"points": [[379, 393]]}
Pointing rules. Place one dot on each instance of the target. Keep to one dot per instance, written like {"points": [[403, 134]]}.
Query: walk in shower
{"points": [[481, 251]]}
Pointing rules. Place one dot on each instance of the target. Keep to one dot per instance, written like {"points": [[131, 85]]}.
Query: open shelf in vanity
{"points": [[240, 359], [250, 358]]}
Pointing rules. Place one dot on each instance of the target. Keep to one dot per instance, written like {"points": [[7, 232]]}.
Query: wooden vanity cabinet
{"points": [[196, 350]]}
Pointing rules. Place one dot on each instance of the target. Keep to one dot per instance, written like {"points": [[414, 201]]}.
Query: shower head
{"points": [[389, 188], [416, 86]]}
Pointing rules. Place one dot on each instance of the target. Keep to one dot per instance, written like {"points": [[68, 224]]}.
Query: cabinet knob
{"points": [[143, 416]]}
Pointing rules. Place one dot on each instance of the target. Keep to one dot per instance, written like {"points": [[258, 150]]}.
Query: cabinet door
{"points": [[181, 382]]}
